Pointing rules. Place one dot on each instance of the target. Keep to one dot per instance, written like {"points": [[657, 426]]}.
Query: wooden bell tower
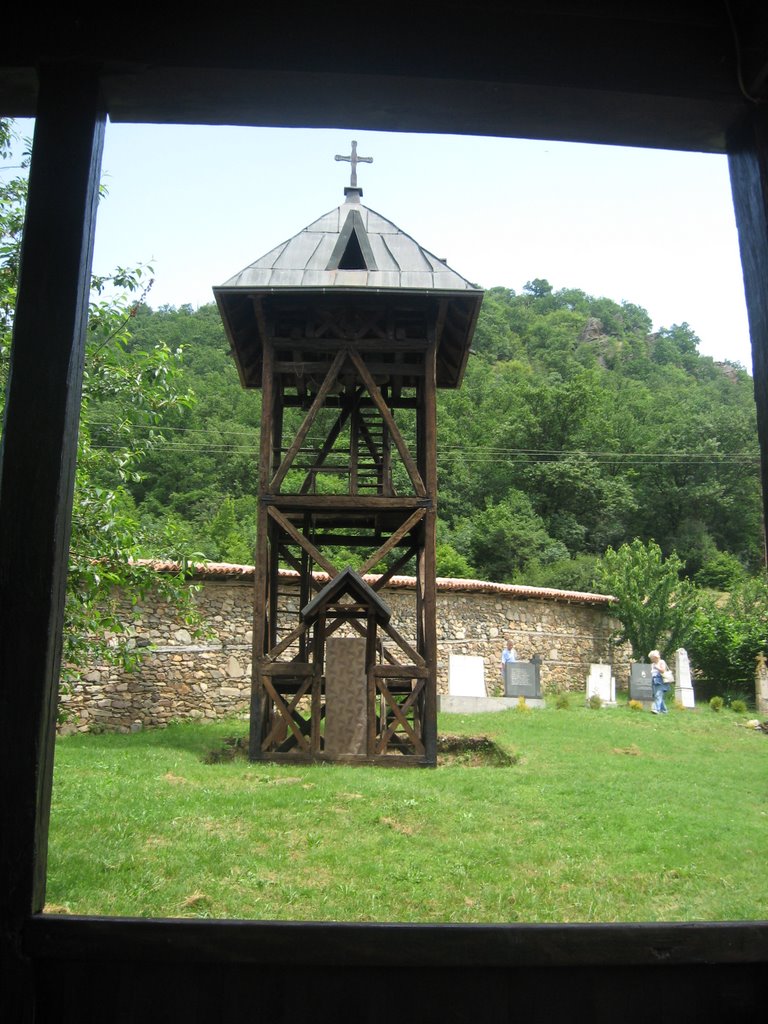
{"points": [[348, 328]]}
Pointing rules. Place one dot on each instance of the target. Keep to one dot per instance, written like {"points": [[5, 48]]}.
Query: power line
{"points": [[481, 456], [446, 451]]}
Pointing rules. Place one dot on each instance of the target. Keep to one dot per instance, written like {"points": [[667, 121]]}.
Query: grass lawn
{"points": [[605, 815]]}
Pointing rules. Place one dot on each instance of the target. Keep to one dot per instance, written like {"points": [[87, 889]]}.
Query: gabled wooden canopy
{"points": [[347, 582], [349, 268]]}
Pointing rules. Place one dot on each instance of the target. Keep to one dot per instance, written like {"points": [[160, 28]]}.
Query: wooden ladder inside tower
{"points": [[372, 470]]}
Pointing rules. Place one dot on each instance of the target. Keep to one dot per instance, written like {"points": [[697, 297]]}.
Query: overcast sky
{"points": [[651, 227]]}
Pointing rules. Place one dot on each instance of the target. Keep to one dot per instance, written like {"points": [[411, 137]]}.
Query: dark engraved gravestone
{"points": [[523, 678], [640, 681]]}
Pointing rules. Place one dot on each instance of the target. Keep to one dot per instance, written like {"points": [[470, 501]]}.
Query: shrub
{"points": [[521, 704], [563, 701], [576, 573], [716, 703], [739, 706], [636, 705], [728, 634], [595, 702], [451, 563], [722, 571]]}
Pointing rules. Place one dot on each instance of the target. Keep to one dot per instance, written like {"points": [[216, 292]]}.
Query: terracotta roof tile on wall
{"points": [[229, 570]]}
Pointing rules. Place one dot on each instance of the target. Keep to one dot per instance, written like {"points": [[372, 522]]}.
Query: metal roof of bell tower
{"points": [[355, 252]]}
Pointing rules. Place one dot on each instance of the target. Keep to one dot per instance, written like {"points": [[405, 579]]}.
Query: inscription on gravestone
{"points": [[640, 681], [523, 678], [601, 683]]}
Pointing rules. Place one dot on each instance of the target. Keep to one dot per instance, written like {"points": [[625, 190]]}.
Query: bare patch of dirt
{"points": [[473, 752], [397, 826], [195, 899], [232, 747], [469, 751]]}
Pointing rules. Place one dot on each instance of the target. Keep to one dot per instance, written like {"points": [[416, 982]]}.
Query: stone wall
{"points": [[183, 677]]}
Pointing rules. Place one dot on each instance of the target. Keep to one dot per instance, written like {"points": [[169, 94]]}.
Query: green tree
{"points": [[654, 606], [728, 634], [229, 542], [451, 564], [139, 389], [505, 536]]}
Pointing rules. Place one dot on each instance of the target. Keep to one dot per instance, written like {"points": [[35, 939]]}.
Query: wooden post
{"points": [[354, 450], [429, 575], [37, 467], [262, 557], [305, 588], [748, 163]]}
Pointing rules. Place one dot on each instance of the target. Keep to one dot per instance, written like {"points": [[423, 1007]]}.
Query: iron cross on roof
{"points": [[354, 159]]}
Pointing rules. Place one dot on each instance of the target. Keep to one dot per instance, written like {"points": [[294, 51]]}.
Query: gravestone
{"points": [[346, 700], [683, 680], [761, 685], [601, 683], [523, 678], [466, 675], [640, 682]]}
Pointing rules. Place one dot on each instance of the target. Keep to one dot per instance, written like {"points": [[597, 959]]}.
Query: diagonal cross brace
{"points": [[309, 419], [394, 431], [400, 719], [286, 711]]}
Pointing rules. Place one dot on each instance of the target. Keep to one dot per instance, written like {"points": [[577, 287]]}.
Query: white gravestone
{"points": [[466, 676], [683, 680], [761, 685], [601, 683]]}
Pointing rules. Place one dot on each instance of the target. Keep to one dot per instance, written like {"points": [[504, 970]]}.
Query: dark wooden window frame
{"points": [[36, 482]]}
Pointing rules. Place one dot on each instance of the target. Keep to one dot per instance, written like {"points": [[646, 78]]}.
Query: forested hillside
{"points": [[576, 428]]}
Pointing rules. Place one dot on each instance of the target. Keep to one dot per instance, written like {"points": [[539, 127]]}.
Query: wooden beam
{"points": [[399, 717], [400, 671], [325, 451], [346, 503], [298, 370], [292, 637], [258, 312], [37, 473], [394, 430], [288, 669], [428, 562], [286, 713], [337, 402], [261, 579], [402, 643], [385, 577], [350, 540], [309, 419], [370, 443], [303, 542], [267, 424], [412, 521], [748, 164]]}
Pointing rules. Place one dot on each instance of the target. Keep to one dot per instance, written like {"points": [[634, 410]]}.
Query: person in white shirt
{"points": [[508, 654]]}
